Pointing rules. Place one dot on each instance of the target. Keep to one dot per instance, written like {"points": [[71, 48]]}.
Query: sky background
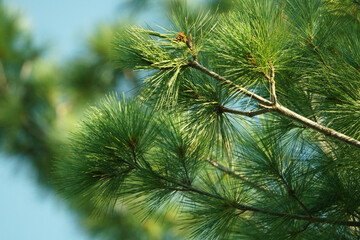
{"points": [[64, 25], [28, 212]]}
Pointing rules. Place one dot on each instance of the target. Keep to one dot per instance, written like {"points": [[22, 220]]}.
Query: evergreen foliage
{"points": [[247, 125]]}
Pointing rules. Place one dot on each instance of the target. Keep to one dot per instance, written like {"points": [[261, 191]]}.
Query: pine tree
{"points": [[247, 125]]}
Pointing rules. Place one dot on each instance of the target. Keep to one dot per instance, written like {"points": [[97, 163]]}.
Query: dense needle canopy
{"points": [[247, 125]]}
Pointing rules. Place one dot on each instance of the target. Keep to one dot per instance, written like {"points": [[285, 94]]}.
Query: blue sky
{"points": [[31, 213], [64, 24], [28, 212]]}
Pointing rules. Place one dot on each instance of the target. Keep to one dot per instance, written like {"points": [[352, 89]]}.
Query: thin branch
{"points": [[238, 214], [240, 176], [235, 174], [184, 165], [246, 113], [297, 217], [223, 109], [187, 175], [272, 85], [178, 189], [244, 207], [227, 170], [278, 108], [291, 192], [293, 234], [311, 124], [228, 150], [223, 80], [134, 156]]}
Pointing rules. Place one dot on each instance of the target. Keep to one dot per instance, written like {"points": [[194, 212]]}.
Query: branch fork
{"points": [[273, 104]]}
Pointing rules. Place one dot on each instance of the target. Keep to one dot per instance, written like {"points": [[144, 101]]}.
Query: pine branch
{"points": [[236, 174], [245, 113], [225, 81], [293, 234], [297, 217], [223, 109], [291, 192], [271, 79], [278, 108], [186, 171], [244, 207], [226, 170], [311, 124]]}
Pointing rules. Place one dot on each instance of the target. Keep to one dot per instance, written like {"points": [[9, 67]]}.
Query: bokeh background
{"points": [[56, 59]]}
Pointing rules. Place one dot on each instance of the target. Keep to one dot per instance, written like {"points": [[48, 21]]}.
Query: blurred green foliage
{"points": [[27, 95]]}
